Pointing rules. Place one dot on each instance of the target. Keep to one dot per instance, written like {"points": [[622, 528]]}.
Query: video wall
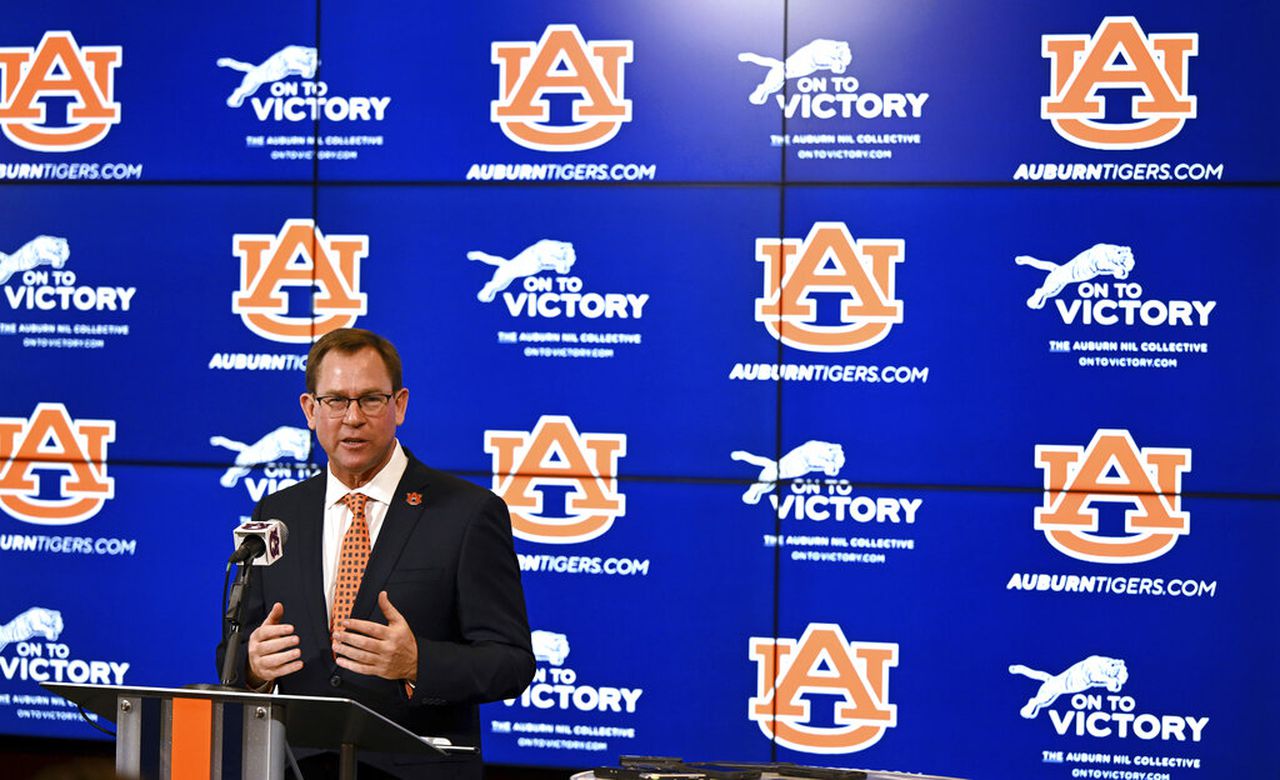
{"points": [[883, 385]]}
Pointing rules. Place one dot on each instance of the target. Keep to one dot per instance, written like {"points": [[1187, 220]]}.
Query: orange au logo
{"points": [[561, 62], [298, 256], [823, 662], [554, 453], [1112, 469], [58, 67], [829, 260], [51, 440], [1119, 55]]}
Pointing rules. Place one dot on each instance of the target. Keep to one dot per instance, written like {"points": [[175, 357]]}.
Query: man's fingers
{"points": [[272, 671], [271, 628], [354, 653], [356, 640], [388, 651], [271, 666], [273, 646], [275, 615], [265, 632], [356, 666], [388, 609], [366, 627], [275, 660]]}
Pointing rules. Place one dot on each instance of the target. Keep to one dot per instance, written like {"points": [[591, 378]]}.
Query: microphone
{"points": [[261, 542]]}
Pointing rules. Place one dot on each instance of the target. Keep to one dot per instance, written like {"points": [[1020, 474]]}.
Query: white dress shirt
{"points": [[337, 516]]}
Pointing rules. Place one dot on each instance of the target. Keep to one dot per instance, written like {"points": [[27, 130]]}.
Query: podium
{"points": [[182, 733]]}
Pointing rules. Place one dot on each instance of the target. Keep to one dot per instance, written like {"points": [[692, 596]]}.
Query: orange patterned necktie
{"points": [[351, 560]]}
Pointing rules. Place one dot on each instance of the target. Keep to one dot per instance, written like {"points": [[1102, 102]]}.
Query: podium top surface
{"points": [[310, 721]]}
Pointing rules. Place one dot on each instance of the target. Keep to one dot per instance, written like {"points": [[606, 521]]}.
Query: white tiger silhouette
{"points": [[1096, 671], [819, 54], [41, 250], [550, 647], [285, 440], [808, 457], [1097, 260], [289, 61], [545, 254], [37, 621]]}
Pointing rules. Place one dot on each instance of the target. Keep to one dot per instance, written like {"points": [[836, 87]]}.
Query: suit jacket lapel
{"points": [[397, 527], [309, 540]]}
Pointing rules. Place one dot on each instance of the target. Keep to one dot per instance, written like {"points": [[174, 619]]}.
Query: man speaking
{"points": [[400, 587]]}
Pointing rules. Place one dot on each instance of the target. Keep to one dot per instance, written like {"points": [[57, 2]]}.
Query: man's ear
{"points": [[401, 400], [308, 403]]}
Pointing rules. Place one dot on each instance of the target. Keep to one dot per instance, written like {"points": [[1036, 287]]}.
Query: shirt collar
{"points": [[381, 488]]}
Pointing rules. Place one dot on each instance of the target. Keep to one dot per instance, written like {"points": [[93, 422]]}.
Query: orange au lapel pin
{"points": [[413, 499]]}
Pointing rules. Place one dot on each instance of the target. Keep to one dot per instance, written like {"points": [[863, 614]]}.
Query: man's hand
{"points": [[273, 649], [389, 651]]}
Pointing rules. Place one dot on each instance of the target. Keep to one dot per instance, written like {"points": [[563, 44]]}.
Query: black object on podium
{"points": [[177, 732]]}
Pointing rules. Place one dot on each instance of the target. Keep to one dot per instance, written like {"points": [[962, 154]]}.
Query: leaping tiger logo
{"points": [[545, 255], [289, 61], [35, 622], [807, 458], [1096, 671], [41, 250], [817, 55], [285, 440]]}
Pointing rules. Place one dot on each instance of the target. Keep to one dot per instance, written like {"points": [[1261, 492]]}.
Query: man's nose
{"points": [[354, 415]]}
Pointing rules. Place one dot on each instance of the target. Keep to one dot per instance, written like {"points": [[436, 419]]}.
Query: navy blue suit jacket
{"points": [[447, 564]]}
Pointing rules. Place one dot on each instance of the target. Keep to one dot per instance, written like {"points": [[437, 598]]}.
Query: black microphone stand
{"points": [[233, 618], [235, 631]]}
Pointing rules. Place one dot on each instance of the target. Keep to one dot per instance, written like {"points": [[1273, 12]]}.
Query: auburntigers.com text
{"points": [[823, 372], [86, 171], [83, 545], [581, 564], [561, 172], [1118, 172], [1097, 583]]}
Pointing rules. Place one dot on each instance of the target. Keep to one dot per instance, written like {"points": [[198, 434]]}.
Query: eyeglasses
{"points": [[371, 404]]}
